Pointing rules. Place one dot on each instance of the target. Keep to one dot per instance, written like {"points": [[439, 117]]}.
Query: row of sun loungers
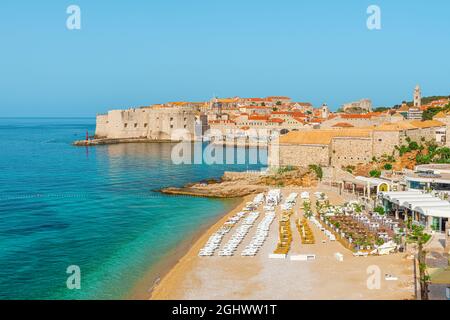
{"points": [[261, 235], [215, 240], [290, 201], [305, 231], [232, 244], [273, 197], [285, 235]]}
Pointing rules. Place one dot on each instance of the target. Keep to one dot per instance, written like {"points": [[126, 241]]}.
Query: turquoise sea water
{"points": [[92, 207]]}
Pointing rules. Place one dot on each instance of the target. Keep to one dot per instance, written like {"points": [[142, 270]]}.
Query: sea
{"points": [[88, 222]]}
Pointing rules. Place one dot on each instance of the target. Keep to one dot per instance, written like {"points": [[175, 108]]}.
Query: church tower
{"points": [[417, 97], [325, 111]]}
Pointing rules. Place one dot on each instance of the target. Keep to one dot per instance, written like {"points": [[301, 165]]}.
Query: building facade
{"points": [[154, 123]]}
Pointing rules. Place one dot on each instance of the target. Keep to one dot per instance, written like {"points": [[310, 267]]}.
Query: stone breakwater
{"points": [[97, 142]]}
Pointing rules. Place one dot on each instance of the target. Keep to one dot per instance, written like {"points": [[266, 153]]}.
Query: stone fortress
{"points": [[153, 123]]}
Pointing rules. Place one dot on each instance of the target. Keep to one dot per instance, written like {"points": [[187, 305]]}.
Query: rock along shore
{"points": [[103, 141]]}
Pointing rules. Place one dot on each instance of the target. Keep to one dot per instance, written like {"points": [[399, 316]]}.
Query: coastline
{"points": [[173, 276], [253, 278], [159, 273]]}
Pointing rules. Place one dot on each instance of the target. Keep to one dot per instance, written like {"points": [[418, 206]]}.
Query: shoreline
{"points": [[156, 275], [252, 278], [170, 278]]}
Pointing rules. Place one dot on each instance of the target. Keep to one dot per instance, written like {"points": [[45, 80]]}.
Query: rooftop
{"points": [[322, 137]]}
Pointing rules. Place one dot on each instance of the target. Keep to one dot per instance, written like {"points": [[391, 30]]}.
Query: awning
{"points": [[438, 212], [408, 203]]}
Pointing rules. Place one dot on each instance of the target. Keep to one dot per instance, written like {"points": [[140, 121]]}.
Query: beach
{"points": [[259, 277]]}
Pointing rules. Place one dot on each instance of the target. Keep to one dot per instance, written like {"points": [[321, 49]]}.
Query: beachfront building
{"points": [[423, 209], [155, 123], [434, 177], [349, 146]]}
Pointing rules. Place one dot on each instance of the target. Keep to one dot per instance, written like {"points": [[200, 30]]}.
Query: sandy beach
{"points": [[259, 277]]}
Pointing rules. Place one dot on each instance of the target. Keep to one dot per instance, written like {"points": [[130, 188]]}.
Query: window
{"points": [[185, 126], [171, 126], [125, 125], [185, 119], [171, 119], [145, 125], [135, 125]]}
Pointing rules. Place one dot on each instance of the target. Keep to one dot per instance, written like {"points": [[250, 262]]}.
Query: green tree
{"points": [[413, 145], [375, 173], [419, 237], [317, 170], [388, 166]]}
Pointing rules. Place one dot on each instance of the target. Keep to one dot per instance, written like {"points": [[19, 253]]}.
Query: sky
{"points": [[134, 53]]}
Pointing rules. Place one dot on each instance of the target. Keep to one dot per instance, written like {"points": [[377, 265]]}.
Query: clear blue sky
{"points": [[131, 53]]}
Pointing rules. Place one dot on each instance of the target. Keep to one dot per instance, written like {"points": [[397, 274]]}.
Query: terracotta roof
{"points": [[301, 120], [291, 113], [256, 107], [322, 137], [395, 126], [440, 114], [408, 125], [276, 120], [305, 104], [258, 117], [427, 123], [343, 125], [227, 100]]}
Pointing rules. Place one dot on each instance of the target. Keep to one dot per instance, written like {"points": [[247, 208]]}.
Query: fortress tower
{"points": [[417, 97]]}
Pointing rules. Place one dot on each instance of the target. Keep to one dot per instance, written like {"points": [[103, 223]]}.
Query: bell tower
{"points": [[417, 97]]}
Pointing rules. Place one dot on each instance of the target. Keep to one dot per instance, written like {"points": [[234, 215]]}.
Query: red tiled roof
{"points": [[301, 120], [276, 120], [343, 125], [255, 99], [255, 107], [258, 117]]}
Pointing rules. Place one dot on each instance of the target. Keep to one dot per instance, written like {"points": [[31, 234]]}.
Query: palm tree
{"points": [[419, 237]]}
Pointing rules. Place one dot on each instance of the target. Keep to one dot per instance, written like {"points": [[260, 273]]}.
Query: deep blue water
{"points": [[94, 207]]}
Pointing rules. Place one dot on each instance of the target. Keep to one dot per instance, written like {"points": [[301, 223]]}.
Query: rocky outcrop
{"points": [[239, 184]]}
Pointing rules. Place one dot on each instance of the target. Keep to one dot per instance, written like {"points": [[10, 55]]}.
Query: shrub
{"points": [[413, 145], [317, 170], [375, 173], [388, 166], [379, 210]]}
